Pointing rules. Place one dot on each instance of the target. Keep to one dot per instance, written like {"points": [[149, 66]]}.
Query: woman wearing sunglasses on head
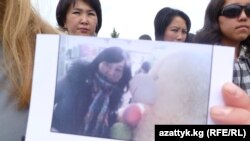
{"points": [[227, 22]]}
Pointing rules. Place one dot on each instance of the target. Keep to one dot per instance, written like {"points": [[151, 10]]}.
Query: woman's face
{"points": [[112, 71], [176, 30], [81, 19], [234, 29]]}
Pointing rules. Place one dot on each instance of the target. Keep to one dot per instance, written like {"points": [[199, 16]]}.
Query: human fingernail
{"points": [[231, 89]]}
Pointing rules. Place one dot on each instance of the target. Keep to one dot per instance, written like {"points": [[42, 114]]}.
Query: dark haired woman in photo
{"points": [[171, 25], [88, 97]]}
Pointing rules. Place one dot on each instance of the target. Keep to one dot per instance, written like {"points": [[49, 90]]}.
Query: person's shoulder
{"points": [[78, 69], [79, 63]]}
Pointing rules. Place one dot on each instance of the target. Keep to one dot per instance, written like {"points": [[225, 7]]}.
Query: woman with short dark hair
{"points": [[79, 17]]}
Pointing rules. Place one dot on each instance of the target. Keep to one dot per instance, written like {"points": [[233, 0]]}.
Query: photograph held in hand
{"points": [[94, 90]]}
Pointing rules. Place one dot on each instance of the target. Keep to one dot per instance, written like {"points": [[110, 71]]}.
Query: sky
{"points": [[132, 18]]}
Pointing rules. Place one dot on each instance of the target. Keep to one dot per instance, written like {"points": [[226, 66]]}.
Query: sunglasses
{"points": [[234, 10]]}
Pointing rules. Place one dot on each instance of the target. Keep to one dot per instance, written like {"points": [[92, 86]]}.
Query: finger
{"points": [[234, 96], [230, 115]]}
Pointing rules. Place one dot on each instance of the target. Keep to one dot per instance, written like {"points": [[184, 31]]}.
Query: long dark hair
{"points": [[114, 55], [210, 32], [164, 17], [63, 7]]}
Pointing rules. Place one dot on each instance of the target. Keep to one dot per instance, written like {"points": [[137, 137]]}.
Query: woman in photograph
{"points": [[88, 97]]}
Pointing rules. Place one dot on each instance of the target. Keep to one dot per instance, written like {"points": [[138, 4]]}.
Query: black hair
{"points": [[146, 66], [190, 37], [164, 17], [210, 32], [114, 55], [64, 5], [145, 37]]}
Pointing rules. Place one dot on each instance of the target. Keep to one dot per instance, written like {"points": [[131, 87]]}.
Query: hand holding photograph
{"points": [[89, 88]]}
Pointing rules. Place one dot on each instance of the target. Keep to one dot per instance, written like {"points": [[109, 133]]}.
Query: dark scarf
{"points": [[96, 119]]}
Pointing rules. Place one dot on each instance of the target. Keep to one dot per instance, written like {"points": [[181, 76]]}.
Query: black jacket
{"points": [[72, 100]]}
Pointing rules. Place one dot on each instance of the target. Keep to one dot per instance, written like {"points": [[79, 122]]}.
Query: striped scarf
{"points": [[96, 119]]}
